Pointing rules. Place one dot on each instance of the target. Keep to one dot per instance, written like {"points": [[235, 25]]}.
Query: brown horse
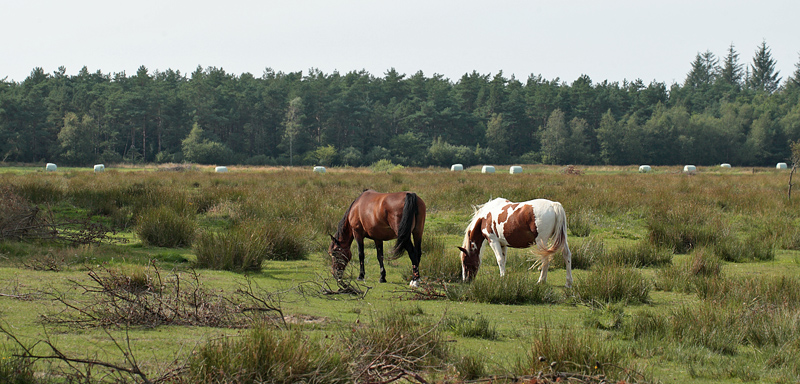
{"points": [[380, 217], [503, 224]]}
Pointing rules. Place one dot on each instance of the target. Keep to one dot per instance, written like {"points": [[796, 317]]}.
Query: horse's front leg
{"points": [[379, 249], [360, 242], [500, 253]]}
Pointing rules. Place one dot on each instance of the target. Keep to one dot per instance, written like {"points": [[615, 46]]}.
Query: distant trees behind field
{"points": [[724, 111]]}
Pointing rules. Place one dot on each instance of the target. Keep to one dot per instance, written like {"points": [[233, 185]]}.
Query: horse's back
{"points": [[378, 214]]}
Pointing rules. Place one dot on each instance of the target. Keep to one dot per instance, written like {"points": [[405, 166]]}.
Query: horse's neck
{"points": [[345, 236], [476, 235]]}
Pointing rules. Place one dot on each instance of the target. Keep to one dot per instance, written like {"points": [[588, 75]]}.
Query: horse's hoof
{"points": [[383, 280], [360, 278], [414, 283]]}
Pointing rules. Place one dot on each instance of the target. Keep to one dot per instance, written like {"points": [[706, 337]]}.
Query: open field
{"points": [[711, 258]]}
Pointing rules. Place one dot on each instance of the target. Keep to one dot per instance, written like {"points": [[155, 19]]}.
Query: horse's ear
{"points": [[334, 239], [463, 250]]}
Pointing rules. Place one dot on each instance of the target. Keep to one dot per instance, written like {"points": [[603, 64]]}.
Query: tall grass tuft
{"points": [[267, 355], [513, 288], [17, 370], [752, 249], [613, 283], [246, 246], [471, 366], [572, 351], [641, 254], [691, 275], [163, 227], [589, 251], [579, 224], [683, 226], [476, 327]]}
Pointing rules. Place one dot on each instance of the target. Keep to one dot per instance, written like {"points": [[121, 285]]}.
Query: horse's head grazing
{"points": [[340, 256], [470, 262]]}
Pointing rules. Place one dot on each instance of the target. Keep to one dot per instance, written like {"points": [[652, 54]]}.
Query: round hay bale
{"points": [[515, 169], [99, 167], [689, 168], [319, 169], [724, 165], [487, 169], [457, 167], [50, 167], [221, 169], [781, 166], [644, 168]]}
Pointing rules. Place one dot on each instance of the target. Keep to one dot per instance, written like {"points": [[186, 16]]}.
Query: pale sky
{"points": [[610, 40]]}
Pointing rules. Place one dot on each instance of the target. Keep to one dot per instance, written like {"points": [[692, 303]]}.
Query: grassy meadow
{"points": [[184, 275]]}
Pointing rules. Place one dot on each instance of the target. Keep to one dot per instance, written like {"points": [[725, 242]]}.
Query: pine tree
{"points": [[764, 77], [731, 72]]}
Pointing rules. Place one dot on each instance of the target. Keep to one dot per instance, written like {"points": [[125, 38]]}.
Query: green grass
{"points": [[689, 328]]}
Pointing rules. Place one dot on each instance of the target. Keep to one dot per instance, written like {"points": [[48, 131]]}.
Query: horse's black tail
{"points": [[406, 225]]}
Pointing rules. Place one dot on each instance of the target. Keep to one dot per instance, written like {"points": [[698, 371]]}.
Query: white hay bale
{"points": [[99, 167], [781, 166], [515, 169], [644, 168], [724, 165], [50, 167], [689, 168], [457, 167], [319, 169], [221, 169], [487, 169]]}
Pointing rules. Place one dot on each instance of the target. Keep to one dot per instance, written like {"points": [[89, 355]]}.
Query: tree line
{"points": [[724, 111]]}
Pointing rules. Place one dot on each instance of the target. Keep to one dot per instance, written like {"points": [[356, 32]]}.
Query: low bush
{"points": [[163, 227]]}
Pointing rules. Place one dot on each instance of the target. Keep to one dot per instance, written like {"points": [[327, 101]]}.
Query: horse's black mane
{"points": [[343, 221]]}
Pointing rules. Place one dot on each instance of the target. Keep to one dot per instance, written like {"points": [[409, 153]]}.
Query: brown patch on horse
{"points": [[504, 212], [488, 224], [520, 228]]}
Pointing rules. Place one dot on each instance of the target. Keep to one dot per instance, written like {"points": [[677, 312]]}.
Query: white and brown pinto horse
{"points": [[503, 224], [380, 217]]}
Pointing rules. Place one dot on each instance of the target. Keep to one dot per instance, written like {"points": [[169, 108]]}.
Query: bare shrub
{"points": [[144, 297], [20, 220]]}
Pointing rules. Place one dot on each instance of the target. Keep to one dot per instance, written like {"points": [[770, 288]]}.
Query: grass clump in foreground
{"points": [[571, 351], [268, 355]]}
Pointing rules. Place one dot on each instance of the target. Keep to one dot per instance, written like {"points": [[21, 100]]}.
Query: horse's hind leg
{"points": [[379, 248], [414, 253], [360, 242]]}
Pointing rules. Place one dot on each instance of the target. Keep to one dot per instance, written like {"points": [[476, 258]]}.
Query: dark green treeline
{"points": [[723, 112]]}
